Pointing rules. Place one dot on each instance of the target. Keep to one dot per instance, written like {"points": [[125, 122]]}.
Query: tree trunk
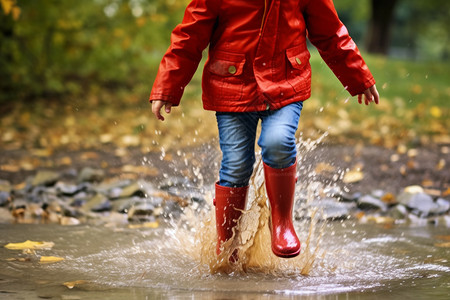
{"points": [[378, 37]]}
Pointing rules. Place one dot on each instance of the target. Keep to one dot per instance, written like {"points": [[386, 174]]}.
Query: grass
{"points": [[414, 110]]}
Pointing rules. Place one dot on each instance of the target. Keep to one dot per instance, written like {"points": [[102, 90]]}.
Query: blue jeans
{"points": [[237, 134]]}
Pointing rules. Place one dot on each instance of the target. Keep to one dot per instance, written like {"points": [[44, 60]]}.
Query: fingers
{"points": [[156, 108], [168, 107], [369, 95], [375, 94]]}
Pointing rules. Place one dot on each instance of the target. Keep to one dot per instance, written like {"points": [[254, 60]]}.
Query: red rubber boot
{"points": [[229, 203], [280, 186]]}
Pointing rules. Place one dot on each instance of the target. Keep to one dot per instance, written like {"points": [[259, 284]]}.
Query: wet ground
{"points": [[356, 262], [351, 259]]}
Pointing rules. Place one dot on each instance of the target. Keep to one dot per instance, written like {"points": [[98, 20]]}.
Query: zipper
{"points": [[264, 17]]}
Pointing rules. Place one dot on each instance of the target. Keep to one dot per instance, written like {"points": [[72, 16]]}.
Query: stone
{"points": [[398, 212], [5, 198], [66, 189], [421, 203], [45, 178], [378, 193], [91, 175], [98, 203], [413, 189], [133, 189], [5, 186], [442, 206], [368, 202], [69, 221]]}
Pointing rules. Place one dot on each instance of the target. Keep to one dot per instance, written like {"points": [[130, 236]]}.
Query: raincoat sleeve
{"points": [[327, 33], [188, 40]]}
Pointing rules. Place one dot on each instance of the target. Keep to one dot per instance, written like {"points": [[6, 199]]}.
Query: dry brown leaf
{"points": [[427, 183], [443, 237], [446, 192], [10, 168], [388, 198], [443, 245], [441, 164], [381, 220]]}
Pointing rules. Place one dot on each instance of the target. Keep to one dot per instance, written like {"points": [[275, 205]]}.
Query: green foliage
{"points": [[70, 46]]}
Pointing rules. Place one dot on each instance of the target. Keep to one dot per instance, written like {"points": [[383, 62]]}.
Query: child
{"points": [[258, 69]]}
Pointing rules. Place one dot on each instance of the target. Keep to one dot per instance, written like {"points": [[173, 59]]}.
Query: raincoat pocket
{"points": [[298, 70], [225, 79]]}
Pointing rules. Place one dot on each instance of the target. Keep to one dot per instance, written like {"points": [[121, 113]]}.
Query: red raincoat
{"points": [[257, 57]]}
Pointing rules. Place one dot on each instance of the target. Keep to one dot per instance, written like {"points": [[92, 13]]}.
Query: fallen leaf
{"points": [[441, 164], [324, 167], [388, 198], [443, 245], [353, 176], [435, 111], [10, 168], [443, 237], [30, 245], [21, 259], [381, 220], [144, 225], [72, 284], [50, 259]]}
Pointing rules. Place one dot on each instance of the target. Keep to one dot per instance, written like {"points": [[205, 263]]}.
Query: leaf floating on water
{"points": [[50, 259], [353, 176], [30, 245], [442, 245], [443, 237], [144, 225], [21, 259], [72, 284], [381, 220], [323, 168]]}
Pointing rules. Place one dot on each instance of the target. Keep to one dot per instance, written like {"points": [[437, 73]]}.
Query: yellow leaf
{"points": [[353, 176], [442, 245], [30, 245], [72, 284], [16, 13], [7, 6], [144, 225], [435, 112], [50, 259]]}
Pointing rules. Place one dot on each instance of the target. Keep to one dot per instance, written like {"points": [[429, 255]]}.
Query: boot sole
{"points": [[287, 255]]}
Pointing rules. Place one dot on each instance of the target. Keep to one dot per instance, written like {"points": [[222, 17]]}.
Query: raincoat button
{"points": [[298, 60], [232, 69]]}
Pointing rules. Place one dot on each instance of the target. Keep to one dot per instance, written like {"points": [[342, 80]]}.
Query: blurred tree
{"points": [[69, 46], [379, 33]]}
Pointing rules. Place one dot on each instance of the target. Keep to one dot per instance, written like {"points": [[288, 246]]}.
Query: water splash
{"points": [[252, 238]]}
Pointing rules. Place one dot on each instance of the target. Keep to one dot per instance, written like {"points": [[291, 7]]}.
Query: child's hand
{"points": [[371, 94], [156, 108]]}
